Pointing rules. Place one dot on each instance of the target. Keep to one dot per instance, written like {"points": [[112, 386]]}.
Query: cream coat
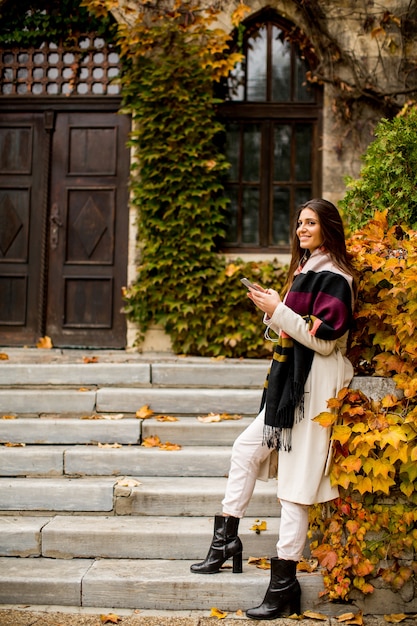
{"points": [[302, 475]]}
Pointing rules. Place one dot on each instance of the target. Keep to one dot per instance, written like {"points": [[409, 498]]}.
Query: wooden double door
{"points": [[63, 227]]}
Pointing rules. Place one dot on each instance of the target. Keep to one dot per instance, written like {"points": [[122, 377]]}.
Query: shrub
{"points": [[388, 178]]}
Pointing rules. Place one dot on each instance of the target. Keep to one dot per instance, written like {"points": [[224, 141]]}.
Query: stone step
{"points": [[142, 496], [113, 461], [68, 537], [126, 430], [178, 373], [142, 584]]}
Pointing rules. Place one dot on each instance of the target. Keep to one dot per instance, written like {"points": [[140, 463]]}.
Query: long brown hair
{"points": [[333, 238]]}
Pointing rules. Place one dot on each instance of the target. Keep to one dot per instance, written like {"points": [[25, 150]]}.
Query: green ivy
{"points": [[31, 22], [388, 178]]}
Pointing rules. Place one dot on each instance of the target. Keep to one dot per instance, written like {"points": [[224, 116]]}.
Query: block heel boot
{"points": [[283, 594], [225, 545]]}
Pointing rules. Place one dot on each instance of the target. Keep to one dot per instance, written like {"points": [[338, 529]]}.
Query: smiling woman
{"points": [[309, 366]]}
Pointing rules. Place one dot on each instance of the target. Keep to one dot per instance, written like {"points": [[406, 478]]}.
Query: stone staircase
{"points": [[90, 517]]}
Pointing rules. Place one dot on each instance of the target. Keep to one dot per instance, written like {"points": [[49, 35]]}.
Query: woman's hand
{"points": [[267, 300]]}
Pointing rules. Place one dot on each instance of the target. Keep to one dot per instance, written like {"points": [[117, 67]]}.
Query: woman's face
{"points": [[309, 230]]}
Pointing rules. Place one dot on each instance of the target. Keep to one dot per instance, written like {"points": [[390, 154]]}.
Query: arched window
{"points": [[272, 117]]}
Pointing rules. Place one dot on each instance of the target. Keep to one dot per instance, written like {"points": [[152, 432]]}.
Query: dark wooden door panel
{"points": [[22, 153], [89, 230]]}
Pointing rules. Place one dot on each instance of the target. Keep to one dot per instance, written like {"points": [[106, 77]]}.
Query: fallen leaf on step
{"points": [[396, 618], [109, 445], [309, 565], [83, 389], [90, 359], [128, 482], [218, 358], [44, 343], [151, 442], [4, 356], [295, 616], [351, 618], [240, 613], [259, 526], [111, 618], [8, 417], [261, 562], [217, 417], [211, 417], [14, 445], [144, 412], [313, 615], [217, 613], [169, 446], [166, 418]]}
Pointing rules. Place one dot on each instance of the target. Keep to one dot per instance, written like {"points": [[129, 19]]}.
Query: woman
{"points": [[308, 368]]}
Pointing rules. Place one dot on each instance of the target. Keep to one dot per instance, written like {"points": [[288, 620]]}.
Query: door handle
{"points": [[56, 224]]}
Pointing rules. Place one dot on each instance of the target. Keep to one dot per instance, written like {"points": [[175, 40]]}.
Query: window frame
{"points": [[266, 113]]}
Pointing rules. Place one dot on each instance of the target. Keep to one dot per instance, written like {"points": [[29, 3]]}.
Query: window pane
{"points": [[232, 150], [303, 141], [281, 217], [303, 90], [251, 152], [302, 195], [232, 212], [236, 83], [282, 152], [281, 67], [250, 213], [256, 68]]}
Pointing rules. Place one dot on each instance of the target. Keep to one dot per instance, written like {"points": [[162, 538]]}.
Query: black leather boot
{"points": [[225, 544], [283, 594]]}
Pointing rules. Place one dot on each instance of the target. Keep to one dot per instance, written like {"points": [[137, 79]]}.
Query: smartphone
{"points": [[250, 285]]}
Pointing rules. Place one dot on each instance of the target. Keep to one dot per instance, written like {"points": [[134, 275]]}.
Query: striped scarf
{"points": [[322, 294]]}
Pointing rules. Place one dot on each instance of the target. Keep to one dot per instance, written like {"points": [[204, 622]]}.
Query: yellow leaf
{"points": [[258, 527], [128, 482], [313, 615], [239, 613], [325, 419], [231, 269], [44, 343], [4, 356], [9, 417], [144, 412], [341, 434], [307, 565], [14, 445], [261, 562], [217, 613], [83, 389], [111, 618]]}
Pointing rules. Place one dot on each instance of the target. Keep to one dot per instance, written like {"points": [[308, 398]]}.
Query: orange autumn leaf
{"points": [[4, 356], [111, 618], [395, 618], [8, 417], [169, 446], [44, 343], [166, 418], [314, 615], [90, 359], [144, 412], [351, 618], [151, 442], [217, 613]]}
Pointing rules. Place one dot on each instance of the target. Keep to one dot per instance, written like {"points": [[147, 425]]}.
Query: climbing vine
{"points": [[371, 530]]}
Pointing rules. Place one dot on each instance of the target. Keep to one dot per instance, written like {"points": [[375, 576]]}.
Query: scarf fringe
{"points": [[277, 438]]}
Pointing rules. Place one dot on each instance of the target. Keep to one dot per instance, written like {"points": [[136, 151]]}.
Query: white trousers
{"points": [[248, 453]]}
